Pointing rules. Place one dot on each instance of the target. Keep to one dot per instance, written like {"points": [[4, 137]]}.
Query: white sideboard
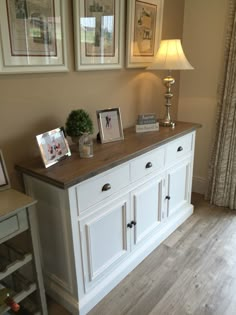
{"points": [[99, 218]]}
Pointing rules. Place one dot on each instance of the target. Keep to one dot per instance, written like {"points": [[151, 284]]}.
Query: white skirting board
{"points": [[199, 185]]}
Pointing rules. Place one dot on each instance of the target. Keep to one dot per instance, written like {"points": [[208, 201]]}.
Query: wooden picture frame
{"points": [[32, 36], [110, 125], [99, 34], [4, 179], [53, 146], [144, 21]]}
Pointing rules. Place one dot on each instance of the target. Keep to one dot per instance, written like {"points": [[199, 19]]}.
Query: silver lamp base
{"points": [[167, 121]]}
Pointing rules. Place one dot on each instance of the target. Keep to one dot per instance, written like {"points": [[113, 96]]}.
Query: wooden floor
{"points": [[192, 272]]}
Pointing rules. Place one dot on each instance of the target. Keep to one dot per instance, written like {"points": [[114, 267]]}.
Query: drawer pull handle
{"points": [[168, 197], [149, 165], [180, 149], [133, 223], [106, 187], [129, 225]]}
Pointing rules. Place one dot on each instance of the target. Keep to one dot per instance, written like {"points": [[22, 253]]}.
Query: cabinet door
{"points": [[147, 205], [178, 187], [104, 240]]}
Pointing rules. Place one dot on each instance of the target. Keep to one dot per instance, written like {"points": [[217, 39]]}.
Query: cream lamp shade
{"points": [[170, 56]]}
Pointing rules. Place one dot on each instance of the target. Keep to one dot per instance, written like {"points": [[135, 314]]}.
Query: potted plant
{"points": [[78, 122]]}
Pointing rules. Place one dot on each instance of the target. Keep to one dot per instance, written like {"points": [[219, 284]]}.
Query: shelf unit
{"points": [[20, 268]]}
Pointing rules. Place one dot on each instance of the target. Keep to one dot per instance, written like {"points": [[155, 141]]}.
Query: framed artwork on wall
{"points": [[99, 34], [53, 146], [4, 179], [32, 36], [110, 125], [144, 21]]}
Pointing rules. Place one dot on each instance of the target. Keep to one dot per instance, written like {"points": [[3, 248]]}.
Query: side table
{"points": [[20, 269]]}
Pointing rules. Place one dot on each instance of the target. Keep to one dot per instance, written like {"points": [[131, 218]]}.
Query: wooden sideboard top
{"points": [[74, 170]]}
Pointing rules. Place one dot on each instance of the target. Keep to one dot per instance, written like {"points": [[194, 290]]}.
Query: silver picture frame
{"points": [[53, 146], [4, 178], [110, 125]]}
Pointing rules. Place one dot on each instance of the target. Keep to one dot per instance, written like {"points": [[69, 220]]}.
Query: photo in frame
{"points": [[4, 179], [32, 36], [144, 32], [53, 146], [110, 125], [99, 34]]}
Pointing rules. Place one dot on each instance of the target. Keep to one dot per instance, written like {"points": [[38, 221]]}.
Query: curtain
{"points": [[222, 169]]}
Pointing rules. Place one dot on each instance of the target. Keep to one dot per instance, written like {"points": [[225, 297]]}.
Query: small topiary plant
{"points": [[78, 122]]}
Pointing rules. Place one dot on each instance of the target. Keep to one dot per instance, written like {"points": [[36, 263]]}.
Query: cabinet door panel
{"points": [[104, 240], [147, 208], [178, 187]]}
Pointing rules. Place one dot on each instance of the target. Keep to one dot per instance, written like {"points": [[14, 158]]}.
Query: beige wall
{"points": [[203, 42], [31, 104]]}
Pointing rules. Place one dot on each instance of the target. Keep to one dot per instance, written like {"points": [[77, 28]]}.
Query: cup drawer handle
{"points": [[149, 165], [106, 187], [180, 149]]}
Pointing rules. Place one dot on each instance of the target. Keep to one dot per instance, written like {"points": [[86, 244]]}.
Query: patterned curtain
{"points": [[222, 170]]}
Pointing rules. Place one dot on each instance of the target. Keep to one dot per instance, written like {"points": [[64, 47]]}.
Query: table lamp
{"points": [[170, 56]]}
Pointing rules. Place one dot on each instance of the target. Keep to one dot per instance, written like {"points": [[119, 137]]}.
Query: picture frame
{"points": [[110, 125], [99, 34], [33, 36], [53, 146], [144, 21], [4, 179]]}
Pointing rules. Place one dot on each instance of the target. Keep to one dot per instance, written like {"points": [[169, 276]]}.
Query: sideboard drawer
{"points": [[13, 225], [102, 186], [178, 148], [147, 164]]}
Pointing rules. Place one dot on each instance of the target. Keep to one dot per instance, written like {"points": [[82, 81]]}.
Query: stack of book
{"points": [[147, 122]]}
